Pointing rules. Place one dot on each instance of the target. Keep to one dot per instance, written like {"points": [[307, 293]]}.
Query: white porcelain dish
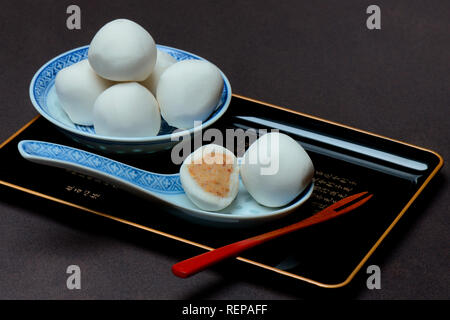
{"points": [[44, 99]]}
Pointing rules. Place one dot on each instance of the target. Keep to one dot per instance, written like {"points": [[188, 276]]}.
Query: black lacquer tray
{"points": [[346, 160]]}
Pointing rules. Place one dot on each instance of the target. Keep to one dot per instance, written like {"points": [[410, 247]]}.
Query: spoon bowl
{"points": [[244, 210]]}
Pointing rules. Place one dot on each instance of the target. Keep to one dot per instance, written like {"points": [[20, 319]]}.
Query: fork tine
{"points": [[344, 201], [355, 205]]}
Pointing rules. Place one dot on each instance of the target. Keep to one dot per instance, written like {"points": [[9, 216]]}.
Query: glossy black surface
{"points": [[346, 162]]}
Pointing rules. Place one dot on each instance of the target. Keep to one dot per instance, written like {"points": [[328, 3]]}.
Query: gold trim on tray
{"points": [[4, 143], [261, 265]]}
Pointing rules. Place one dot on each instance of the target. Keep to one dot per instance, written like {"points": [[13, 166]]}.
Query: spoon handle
{"points": [[61, 156], [198, 263]]}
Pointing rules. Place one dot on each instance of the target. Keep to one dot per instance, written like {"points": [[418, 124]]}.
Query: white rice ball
{"points": [[210, 177], [276, 169], [127, 110], [77, 88], [189, 91], [122, 50]]}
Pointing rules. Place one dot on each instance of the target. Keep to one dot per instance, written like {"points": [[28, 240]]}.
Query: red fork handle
{"points": [[198, 263]]}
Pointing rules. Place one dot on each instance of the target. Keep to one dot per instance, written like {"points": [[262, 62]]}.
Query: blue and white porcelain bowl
{"points": [[44, 99]]}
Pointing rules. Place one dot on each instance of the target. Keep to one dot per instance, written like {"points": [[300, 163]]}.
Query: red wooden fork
{"points": [[198, 263]]}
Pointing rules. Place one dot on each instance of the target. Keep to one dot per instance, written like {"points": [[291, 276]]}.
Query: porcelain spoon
{"points": [[163, 187]]}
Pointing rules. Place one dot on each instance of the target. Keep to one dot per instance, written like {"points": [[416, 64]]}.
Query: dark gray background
{"points": [[313, 56]]}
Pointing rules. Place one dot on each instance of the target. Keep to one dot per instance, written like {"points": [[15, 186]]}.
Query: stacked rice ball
{"points": [[127, 84]]}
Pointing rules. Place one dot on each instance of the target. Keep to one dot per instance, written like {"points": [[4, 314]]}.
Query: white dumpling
{"points": [[163, 61], [210, 177], [189, 91], [77, 88], [122, 50], [276, 169], [127, 110]]}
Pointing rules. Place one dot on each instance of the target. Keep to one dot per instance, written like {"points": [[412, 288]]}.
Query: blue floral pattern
{"points": [[160, 183]]}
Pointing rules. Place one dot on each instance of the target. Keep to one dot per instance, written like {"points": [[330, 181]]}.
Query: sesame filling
{"points": [[212, 173]]}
